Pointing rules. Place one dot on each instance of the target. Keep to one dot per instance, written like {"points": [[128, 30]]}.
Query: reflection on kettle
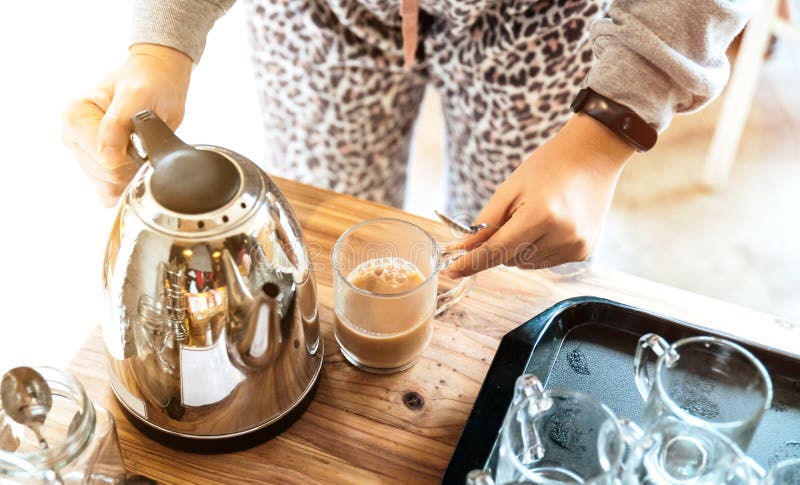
{"points": [[254, 327], [211, 327]]}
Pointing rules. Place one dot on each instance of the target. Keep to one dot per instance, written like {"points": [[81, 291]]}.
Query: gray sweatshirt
{"points": [[658, 57]]}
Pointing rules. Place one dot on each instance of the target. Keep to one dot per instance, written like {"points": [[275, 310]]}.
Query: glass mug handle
{"points": [[630, 436], [659, 346], [529, 388], [453, 295]]}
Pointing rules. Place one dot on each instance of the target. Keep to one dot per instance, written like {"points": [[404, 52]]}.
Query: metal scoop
{"points": [[455, 225], [27, 399]]}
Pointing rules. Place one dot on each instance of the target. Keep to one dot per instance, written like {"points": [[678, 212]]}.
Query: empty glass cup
{"points": [[557, 436], [705, 381], [675, 453], [81, 438], [479, 477]]}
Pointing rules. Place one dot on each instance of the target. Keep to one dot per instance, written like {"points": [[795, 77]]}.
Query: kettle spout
{"points": [[254, 326]]}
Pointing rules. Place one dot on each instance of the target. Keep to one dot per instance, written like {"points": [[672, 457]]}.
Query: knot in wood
{"points": [[413, 400]]}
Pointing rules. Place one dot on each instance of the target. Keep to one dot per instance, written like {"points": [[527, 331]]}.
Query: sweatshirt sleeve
{"points": [[661, 57], [180, 24]]}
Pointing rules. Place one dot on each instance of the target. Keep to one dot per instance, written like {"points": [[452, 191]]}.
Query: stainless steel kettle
{"points": [[211, 326]]}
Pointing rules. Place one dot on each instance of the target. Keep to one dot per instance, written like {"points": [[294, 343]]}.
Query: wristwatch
{"points": [[618, 118]]}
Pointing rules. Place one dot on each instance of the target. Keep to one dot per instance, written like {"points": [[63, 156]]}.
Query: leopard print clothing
{"points": [[339, 109]]}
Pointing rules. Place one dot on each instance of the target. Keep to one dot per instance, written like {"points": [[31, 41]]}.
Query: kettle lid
{"points": [[185, 179]]}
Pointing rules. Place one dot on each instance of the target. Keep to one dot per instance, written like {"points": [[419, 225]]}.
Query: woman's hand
{"points": [[552, 208], [97, 127]]}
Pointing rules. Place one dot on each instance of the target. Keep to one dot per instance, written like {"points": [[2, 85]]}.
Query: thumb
{"points": [[115, 129]]}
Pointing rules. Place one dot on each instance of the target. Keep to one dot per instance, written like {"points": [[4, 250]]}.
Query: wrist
{"points": [[597, 141], [173, 57]]}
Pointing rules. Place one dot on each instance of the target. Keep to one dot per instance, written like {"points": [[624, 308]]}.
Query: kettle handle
{"points": [[133, 153], [154, 137]]}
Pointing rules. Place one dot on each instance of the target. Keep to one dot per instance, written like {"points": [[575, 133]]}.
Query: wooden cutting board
{"points": [[358, 428]]}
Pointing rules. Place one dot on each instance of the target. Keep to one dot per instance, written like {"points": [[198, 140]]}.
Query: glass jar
{"points": [[82, 445]]}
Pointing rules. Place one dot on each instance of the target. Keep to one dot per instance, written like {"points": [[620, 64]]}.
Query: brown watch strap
{"points": [[618, 118]]}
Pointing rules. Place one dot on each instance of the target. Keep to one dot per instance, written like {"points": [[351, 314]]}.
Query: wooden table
{"points": [[357, 429]]}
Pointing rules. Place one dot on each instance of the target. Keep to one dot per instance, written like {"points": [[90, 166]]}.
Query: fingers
{"points": [[81, 120], [118, 176], [530, 240], [494, 214], [113, 133], [512, 238], [528, 257], [544, 261], [109, 184], [551, 251], [115, 127], [97, 127]]}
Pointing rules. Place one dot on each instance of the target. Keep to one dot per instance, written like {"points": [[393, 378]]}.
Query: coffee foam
{"points": [[386, 276]]}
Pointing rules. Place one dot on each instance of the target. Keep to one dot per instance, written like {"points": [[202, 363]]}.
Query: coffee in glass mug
{"points": [[385, 293]]}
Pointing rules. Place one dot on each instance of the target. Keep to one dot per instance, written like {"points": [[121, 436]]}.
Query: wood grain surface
{"points": [[358, 429]]}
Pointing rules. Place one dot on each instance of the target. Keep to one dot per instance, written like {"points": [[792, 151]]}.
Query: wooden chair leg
{"points": [[739, 97]]}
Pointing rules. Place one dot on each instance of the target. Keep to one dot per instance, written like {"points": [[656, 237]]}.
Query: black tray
{"points": [[587, 344]]}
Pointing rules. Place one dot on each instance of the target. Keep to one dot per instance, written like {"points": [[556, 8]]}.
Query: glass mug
{"points": [[558, 436], [675, 453], [81, 437], [705, 381], [786, 472], [479, 477], [377, 328]]}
